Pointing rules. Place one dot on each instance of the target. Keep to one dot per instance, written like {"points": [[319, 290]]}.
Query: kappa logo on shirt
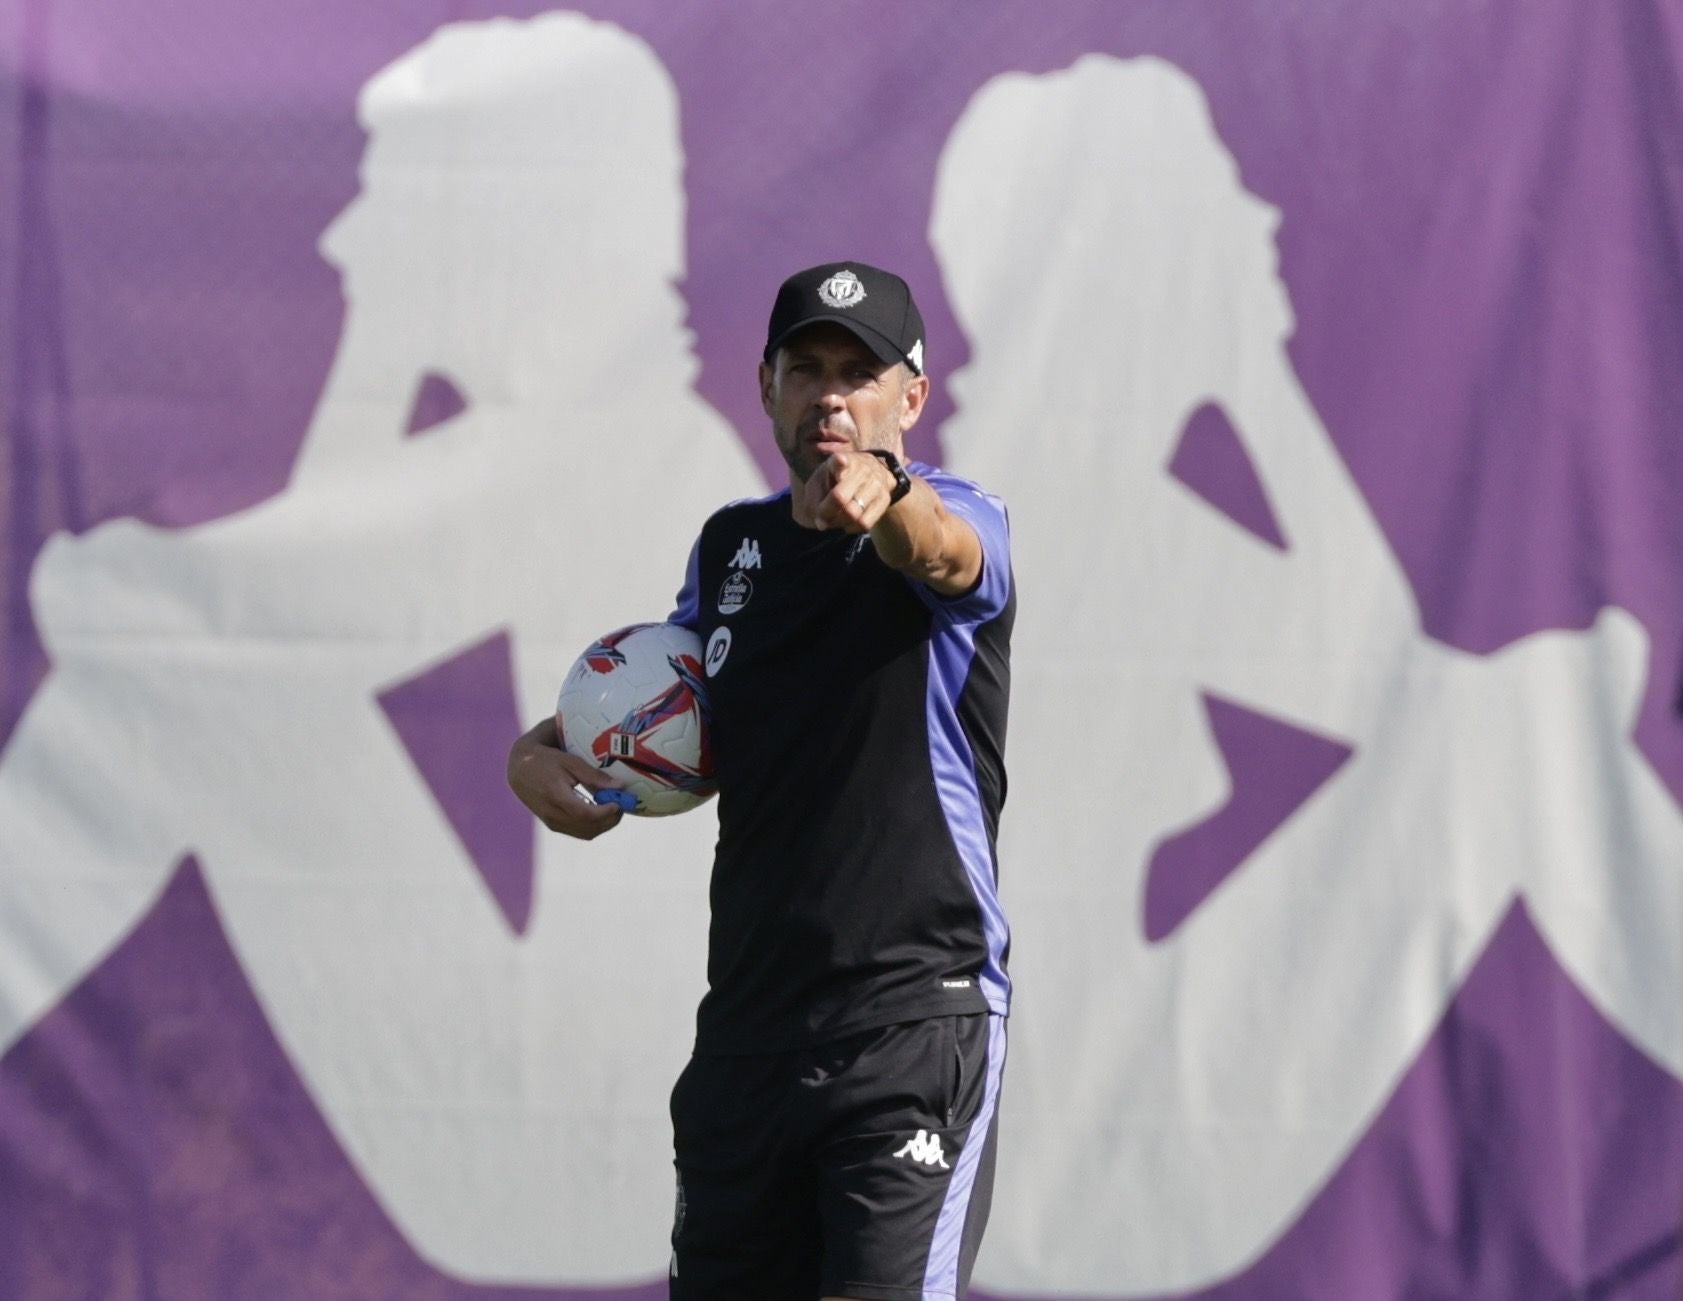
{"points": [[747, 555], [926, 1148]]}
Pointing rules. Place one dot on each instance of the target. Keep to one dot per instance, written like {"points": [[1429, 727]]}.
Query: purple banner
{"points": [[360, 366]]}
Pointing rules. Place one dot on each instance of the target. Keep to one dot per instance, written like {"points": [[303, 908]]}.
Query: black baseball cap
{"points": [[874, 305]]}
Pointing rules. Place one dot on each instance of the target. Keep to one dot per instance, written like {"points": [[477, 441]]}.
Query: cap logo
{"points": [[842, 290], [915, 356]]}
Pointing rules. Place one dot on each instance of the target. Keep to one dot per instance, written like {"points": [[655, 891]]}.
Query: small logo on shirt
{"points": [[735, 591], [956, 984], [718, 646], [925, 1147], [747, 555]]}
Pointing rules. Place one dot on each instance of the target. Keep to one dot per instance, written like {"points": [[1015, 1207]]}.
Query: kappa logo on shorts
{"points": [[926, 1148]]}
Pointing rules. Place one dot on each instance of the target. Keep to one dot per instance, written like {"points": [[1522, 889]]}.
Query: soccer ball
{"points": [[635, 705]]}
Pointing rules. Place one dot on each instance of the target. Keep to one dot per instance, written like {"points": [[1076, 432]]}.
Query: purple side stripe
{"points": [[951, 651], [940, 1275]]}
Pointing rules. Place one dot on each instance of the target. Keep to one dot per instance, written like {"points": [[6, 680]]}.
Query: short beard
{"points": [[801, 459]]}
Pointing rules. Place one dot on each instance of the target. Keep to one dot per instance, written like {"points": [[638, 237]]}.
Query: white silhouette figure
{"points": [[1171, 1108], [213, 690]]}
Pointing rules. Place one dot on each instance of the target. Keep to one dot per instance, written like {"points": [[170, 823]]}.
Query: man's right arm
{"points": [[545, 778]]}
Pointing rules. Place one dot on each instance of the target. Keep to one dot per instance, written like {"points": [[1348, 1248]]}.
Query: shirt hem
{"points": [[714, 1045]]}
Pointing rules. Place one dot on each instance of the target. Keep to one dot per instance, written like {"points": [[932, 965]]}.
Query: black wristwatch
{"points": [[902, 482]]}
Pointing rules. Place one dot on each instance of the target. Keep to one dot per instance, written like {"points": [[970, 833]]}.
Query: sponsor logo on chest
{"points": [[735, 591], [718, 646]]}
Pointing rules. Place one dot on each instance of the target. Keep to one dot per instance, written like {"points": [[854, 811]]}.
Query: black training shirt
{"points": [[858, 727]]}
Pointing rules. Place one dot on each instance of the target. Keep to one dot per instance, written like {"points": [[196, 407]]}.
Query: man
{"points": [[835, 1127]]}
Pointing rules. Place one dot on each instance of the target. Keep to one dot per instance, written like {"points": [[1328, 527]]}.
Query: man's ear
{"points": [[912, 398], [767, 374]]}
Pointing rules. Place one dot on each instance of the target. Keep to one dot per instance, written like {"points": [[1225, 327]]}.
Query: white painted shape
{"points": [[1171, 1108], [214, 689]]}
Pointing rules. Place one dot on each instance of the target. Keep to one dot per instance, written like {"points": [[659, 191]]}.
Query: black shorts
{"points": [[859, 1168]]}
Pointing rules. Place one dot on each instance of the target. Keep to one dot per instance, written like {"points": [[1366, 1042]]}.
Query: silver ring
{"points": [[858, 503]]}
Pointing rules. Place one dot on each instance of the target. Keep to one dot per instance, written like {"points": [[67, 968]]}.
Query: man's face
{"points": [[826, 392]]}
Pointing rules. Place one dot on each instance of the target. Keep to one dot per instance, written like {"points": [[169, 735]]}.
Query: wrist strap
{"points": [[902, 482]]}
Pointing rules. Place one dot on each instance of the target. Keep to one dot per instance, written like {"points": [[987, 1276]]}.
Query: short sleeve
{"points": [[686, 611], [986, 514]]}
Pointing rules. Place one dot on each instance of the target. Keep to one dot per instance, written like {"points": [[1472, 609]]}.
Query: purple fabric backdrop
{"points": [[1482, 222]]}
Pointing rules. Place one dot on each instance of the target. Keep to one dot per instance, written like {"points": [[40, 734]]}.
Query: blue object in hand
{"points": [[625, 799]]}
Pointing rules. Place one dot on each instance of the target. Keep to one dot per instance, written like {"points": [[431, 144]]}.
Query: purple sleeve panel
{"points": [[686, 611], [985, 513]]}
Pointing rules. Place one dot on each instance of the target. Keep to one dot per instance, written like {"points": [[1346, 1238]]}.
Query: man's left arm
{"points": [[924, 540], [918, 535]]}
